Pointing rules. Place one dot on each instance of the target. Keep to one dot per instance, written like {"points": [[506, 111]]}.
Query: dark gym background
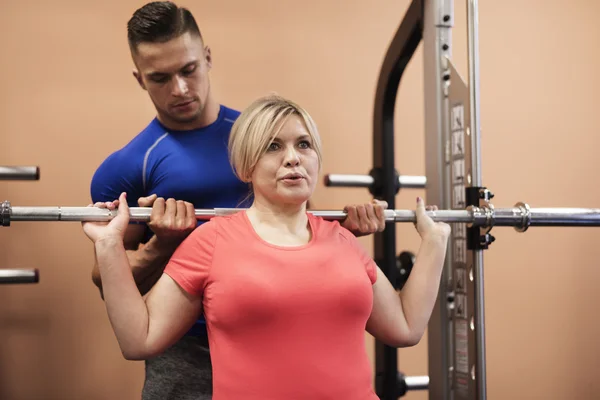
{"points": [[68, 99]]}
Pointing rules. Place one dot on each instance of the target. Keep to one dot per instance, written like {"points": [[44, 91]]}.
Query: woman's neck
{"points": [[282, 225], [289, 217]]}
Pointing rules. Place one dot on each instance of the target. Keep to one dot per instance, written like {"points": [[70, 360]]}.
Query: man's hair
{"points": [[158, 22]]}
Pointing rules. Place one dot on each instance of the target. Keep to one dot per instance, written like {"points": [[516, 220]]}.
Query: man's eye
{"points": [[161, 79], [189, 71]]}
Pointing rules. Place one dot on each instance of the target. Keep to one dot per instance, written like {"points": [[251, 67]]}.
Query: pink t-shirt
{"points": [[283, 323]]}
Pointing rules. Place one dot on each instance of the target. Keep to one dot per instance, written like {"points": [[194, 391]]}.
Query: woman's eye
{"points": [[304, 144], [273, 146]]}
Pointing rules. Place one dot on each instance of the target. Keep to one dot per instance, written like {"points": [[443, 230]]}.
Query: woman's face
{"points": [[287, 172]]}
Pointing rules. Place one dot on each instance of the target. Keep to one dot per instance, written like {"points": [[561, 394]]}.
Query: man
{"points": [[181, 156]]}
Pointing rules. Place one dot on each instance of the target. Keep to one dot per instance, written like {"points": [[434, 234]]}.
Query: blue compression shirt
{"points": [[184, 165]]}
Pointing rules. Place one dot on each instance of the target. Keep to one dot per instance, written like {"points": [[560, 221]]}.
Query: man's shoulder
{"points": [[152, 133], [137, 146], [229, 114], [230, 111], [128, 158]]}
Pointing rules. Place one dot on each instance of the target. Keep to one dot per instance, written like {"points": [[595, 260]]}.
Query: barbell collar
{"points": [[525, 217]]}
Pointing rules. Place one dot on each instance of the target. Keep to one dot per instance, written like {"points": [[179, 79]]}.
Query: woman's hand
{"points": [[426, 226], [115, 228]]}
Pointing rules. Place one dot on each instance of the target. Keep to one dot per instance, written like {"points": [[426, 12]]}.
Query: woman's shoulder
{"points": [[220, 223], [226, 220], [328, 228]]}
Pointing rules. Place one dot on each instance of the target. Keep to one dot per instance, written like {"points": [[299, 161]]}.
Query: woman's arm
{"points": [[400, 319], [143, 327]]}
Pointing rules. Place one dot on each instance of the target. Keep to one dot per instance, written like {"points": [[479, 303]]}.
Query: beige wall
{"points": [[68, 100]]}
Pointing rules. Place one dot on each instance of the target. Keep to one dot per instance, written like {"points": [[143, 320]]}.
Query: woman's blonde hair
{"points": [[257, 126]]}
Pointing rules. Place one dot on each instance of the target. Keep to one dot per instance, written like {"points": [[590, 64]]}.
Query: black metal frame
{"points": [[400, 51]]}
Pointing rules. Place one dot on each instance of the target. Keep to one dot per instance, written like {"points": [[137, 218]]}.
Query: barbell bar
{"points": [[521, 216]]}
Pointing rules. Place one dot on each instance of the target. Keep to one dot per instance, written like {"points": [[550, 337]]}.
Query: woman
{"points": [[286, 295]]}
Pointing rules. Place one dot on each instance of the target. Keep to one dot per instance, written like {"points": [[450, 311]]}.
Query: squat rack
{"points": [[456, 331]]}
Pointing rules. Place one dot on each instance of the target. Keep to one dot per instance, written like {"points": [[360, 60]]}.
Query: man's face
{"points": [[175, 75]]}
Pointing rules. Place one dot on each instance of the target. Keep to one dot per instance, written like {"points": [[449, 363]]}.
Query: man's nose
{"points": [[179, 86]]}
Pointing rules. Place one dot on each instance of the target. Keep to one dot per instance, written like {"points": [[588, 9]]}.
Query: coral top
{"points": [[284, 323]]}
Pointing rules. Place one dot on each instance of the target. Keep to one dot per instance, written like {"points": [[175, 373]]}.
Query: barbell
{"points": [[520, 216]]}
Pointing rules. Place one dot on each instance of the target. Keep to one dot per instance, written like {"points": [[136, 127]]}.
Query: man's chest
{"points": [[196, 172]]}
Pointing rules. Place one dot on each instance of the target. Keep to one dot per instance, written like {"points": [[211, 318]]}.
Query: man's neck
{"points": [[209, 115]]}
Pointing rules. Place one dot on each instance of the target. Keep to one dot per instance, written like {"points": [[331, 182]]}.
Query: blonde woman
{"points": [[287, 296]]}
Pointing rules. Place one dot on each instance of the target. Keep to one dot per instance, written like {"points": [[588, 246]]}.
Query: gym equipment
{"points": [[16, 173], [456, 330], [10, 173], [521, 216], [404, 265], [373, 181], [406, 383], [12, 276]]}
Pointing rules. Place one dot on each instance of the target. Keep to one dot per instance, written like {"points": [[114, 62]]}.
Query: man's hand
{"points": [[365, 219], [171, 220]]}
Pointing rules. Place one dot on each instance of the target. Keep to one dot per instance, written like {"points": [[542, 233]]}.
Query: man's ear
{"points": [[138, 78], [208, 57]]}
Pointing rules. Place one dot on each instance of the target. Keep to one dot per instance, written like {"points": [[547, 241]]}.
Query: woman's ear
{"points": [[248, 177]]}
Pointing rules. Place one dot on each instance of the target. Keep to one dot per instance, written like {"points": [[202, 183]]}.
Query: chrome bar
{"points": [[417, 382], [412, 181], [142, 214], [473, 50], [12, 276], [348, 180], [9, 173], [437, 48], [563, 217], [352, 180], [479, 375], [520, 216]]}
